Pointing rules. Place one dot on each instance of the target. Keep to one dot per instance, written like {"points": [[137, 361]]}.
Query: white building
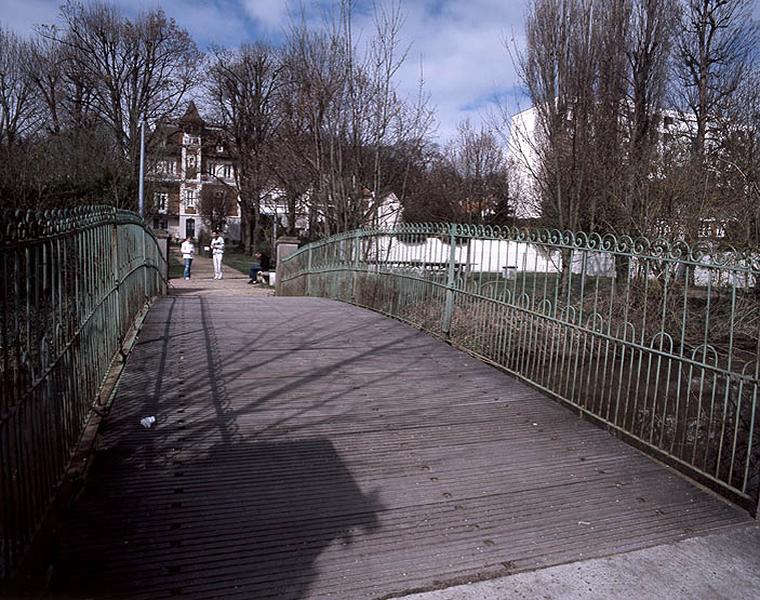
{"points": [[523, 154]]}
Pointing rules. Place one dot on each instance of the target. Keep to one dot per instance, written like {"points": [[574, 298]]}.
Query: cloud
{"points": [[269, 14], [457, 44], [460, 46], [221, 23]]}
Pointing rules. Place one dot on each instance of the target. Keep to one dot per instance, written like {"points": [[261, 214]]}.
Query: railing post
{"points": [[116, 277], [145, 264], [308, 273], [448, 310], [355, 270]]}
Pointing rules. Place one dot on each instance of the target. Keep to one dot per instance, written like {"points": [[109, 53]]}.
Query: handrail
{"points": [[74, 281], [657, 340]]}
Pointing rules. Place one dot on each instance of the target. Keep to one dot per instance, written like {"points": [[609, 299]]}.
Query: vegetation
{"points": [[647, 119], [237, 259], [646, 116]]}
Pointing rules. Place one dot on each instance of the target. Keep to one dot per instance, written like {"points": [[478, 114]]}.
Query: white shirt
{"points": [[187, 249], [217, 245]]}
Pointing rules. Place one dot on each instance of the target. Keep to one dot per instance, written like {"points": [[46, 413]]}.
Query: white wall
{"points": [[523, 159], [492, 256]]}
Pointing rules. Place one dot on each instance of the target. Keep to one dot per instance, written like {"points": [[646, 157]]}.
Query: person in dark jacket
{"points": [[260, 263]]}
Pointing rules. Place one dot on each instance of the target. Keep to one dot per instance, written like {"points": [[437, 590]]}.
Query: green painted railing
{"points": [[74, 282], [658, 341]]}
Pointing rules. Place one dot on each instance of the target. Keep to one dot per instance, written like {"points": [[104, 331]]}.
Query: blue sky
{"points": [[458, 45]]}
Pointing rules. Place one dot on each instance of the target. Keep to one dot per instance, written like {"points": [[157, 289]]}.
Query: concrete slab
{"points": [[714, 567]]}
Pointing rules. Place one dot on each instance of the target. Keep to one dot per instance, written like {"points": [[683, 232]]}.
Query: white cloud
{"points": [[459, 44], [220, 23], [269, 14], [461, 47]]}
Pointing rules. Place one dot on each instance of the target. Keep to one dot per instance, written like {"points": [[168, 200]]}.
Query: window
{"points": [[190, 160], [221, 170], [220, 148], [190, 198], [166, 167], [668, 121], [162, 201], [192, 140]]}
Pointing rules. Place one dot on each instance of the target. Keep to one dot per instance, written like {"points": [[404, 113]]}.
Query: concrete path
{"points": [[723, 566], [308, 449], [202, 282]]}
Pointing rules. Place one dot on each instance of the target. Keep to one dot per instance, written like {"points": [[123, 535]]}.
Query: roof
{"points": [[191, 116]]}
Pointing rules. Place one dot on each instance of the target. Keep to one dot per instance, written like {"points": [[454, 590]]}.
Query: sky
{"points": [[456, 46]]}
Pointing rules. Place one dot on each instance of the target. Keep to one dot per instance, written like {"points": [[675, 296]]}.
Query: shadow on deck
{"points": [[309, 449]]}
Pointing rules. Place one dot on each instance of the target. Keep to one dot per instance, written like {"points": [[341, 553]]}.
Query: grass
{"points": [[237, 259], [176, 268]]}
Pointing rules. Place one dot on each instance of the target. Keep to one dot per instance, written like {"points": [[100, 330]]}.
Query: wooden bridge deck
{"points": [[308, 449]]}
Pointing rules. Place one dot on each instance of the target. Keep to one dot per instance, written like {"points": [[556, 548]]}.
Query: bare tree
{"points": [[65, 88], [20, 118], [216, 202], [243, 87], [596, 72], [713, 53], [557, 69], [641, 203], [289, 167], [737, 161], [478, 166], [136, 69], [19, 109], [715, 41], [351, 118]]}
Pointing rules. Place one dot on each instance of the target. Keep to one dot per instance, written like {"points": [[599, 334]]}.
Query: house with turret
{"points": [[191, 178]]}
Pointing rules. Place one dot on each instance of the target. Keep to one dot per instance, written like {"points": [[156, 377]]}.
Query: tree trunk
{"points": [[292, 214], [256, 228], [248, 223], [567, 265]]}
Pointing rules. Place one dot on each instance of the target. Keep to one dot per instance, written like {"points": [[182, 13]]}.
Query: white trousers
{"points": [[217, 266]]}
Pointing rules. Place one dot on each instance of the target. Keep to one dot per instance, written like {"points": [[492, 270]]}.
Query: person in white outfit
{"points": [[217, 250], [188, 251]]}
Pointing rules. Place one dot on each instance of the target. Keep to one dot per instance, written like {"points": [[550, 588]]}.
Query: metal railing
{"points": [[658, 341], [73, 284]]}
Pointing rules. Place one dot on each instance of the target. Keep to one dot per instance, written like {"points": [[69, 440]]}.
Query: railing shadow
{"points": [[196, 502]]}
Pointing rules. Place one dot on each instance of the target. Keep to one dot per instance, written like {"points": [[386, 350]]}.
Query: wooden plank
{"points": [[309, 449]]}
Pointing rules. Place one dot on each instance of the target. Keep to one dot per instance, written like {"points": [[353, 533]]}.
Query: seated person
{"points": [[260, 263]]}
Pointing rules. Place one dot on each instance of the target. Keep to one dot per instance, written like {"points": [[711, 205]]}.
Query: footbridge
{"points": [[512, 401]]}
